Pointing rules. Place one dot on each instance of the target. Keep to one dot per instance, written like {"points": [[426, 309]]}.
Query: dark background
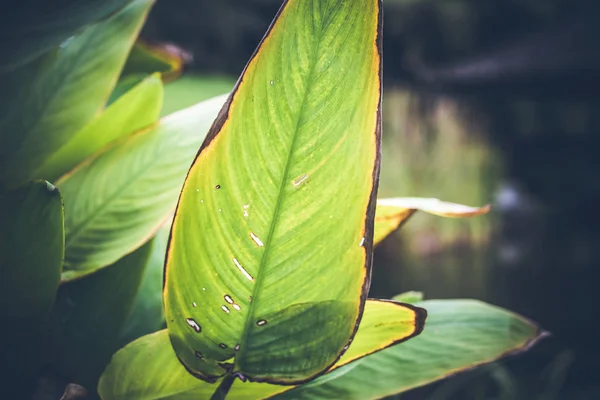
{"points": [[485, 101]]}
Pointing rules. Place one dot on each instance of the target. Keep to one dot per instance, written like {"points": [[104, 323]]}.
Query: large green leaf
{"points": [[136, 109], [273, 232], [29, 28], [47, 101], [31, 250], [89, 316], [391, 214], [459, 335], [148, 315], [119, 198], [148, 368]]}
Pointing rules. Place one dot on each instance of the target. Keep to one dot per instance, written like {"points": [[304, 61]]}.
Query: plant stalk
{"points": [[223, 388]]}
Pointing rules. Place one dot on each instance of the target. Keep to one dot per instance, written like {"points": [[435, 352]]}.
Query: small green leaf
{"points": [[119, 198], [148, 315], [31, 250], [460, 335], [273, 231], [136, 109], [146, 58], [392, 213], [89, 316], [47, 101], [148, 368]]}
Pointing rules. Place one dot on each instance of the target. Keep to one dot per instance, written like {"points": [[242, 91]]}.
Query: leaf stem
{"points": [[223, 388]]}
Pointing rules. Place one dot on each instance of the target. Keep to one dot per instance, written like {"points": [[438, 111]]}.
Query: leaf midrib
{"points": [[275, 215]]}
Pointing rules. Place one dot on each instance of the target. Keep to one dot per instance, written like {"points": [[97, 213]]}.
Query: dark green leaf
{"points": [[47, 101], [89, 316], [31, 250], [148, 315], [29, 28]]}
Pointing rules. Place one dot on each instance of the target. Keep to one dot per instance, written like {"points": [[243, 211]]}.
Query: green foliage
{"points": [[139, 177], [62, 92], [260, 191], [32, 30], [460, 334], [85, 334], [31, 250], [268, 252], [136, 109]]}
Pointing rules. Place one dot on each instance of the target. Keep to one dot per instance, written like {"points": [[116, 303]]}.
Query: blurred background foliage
{"points": [[486, 101]]}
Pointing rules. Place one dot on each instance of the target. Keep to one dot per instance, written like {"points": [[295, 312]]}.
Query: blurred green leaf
{"points": [[29, 28], [191, 89], [89, 316], [393, 213], [136, 109], [148, 314], [148, 368], [119, 198], [31, 250], [47, 101]]}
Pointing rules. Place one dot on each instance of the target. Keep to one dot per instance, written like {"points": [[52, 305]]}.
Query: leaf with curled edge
{"points": [[392, 213]]}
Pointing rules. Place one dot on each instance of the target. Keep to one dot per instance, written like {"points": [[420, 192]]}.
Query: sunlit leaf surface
{"points": [[118, 199], [273, 232]]}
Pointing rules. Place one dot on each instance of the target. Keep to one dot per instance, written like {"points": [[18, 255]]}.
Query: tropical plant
{"points": [[268, 259]]}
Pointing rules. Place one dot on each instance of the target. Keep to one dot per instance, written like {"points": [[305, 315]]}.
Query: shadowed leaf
{"points": [[29, 28], [61, 92], [89, 316], [146, 58], [148, 315], [31, 250]]}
